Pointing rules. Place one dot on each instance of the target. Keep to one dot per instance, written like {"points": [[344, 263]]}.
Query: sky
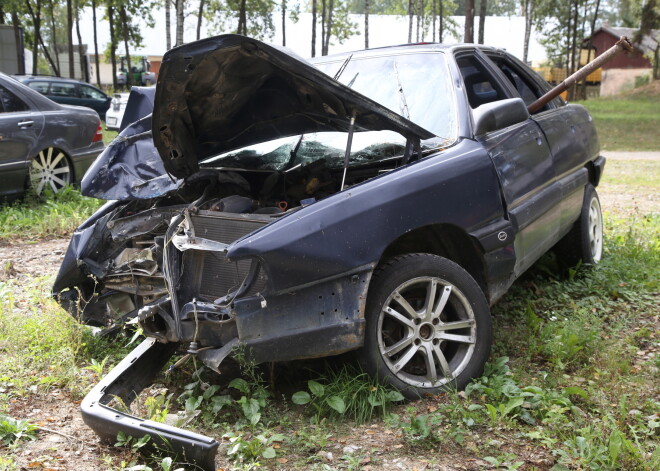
{"points": [[384, 30]]}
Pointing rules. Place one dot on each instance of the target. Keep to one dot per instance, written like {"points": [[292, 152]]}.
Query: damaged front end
{"points": [[214, 257]]}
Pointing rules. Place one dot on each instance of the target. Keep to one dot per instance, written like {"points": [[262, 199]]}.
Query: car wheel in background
{"points": [[585, 240], [428, 325], [50, 168]]}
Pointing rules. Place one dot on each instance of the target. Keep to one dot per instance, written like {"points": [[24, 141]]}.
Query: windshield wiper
{"points": [[403, 105], [293, 154], [343, 66]]}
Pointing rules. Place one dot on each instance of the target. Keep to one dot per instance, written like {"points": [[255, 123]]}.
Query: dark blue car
{"points": [[378, 201], [68, 92]]}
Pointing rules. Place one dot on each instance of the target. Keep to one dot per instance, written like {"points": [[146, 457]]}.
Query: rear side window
{"points": [[41, 87], [90, 92], [480, 86], [63, 89], [10, 103]]}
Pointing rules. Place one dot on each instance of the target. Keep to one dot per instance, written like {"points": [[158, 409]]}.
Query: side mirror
{"points": [[499, 115]]}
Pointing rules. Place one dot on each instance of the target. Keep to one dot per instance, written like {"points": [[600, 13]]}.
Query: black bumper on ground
{"points": [[126, 380]]}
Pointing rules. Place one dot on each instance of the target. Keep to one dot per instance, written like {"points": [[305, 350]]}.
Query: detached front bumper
{"points": [[135, 372]]}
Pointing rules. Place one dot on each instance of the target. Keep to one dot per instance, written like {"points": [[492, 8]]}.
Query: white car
{"points": [[115, 113]]}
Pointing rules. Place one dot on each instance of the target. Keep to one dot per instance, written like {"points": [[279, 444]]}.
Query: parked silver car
{"points": [[43, 144]]}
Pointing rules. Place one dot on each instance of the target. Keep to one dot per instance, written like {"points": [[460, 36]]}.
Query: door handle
{"points": [[26, 123]]}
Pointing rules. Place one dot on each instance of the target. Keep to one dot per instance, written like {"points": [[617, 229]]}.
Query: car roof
{"points": [[406, 49], [52, 78]]}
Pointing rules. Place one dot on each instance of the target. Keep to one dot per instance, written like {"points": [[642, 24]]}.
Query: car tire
{"points": [[50, 168], [410, 342], [584, 242]]}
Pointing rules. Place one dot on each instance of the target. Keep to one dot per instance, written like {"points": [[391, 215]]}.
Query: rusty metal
{"points": [[623, 44]]}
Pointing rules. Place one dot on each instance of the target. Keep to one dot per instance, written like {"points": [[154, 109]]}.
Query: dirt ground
{"points": [[65, 443]]}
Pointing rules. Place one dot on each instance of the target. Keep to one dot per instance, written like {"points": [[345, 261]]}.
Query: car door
{"points": [[568, 131], [523, 161], [64, 93], [20, 128], [94, 98]]}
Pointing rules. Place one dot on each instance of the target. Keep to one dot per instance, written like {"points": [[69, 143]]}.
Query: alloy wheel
{"points": [[50, 169]]}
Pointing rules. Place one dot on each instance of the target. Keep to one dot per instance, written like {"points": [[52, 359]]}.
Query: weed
{"points": [[13, 430], [350, 392], [7, 463], [248, 449], [504, 461], [128, 441]]}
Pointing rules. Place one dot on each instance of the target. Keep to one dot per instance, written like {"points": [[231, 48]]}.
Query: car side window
{"points": [[41, 87], [89, 92], [63, 89], [10, 103], [480, 86], [527, 89]]}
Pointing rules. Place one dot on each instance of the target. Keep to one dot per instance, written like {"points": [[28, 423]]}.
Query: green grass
{"points": [[48, 216], [571, 383], [627, 122], [108, 136]]}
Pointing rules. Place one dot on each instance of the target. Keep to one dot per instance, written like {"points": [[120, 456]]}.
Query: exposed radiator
{"points": [[218, 276]]}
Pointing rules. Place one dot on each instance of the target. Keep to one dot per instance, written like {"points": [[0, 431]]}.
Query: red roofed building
{"points": [[620, 73]]}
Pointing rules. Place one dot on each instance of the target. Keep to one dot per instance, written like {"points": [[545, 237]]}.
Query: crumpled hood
{"points": [[229, 91]]}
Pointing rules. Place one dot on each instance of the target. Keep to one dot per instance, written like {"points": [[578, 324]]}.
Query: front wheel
{"points": [[428, 325]]}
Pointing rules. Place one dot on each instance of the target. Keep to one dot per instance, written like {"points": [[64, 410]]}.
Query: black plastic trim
{"points": [[135, 372]]}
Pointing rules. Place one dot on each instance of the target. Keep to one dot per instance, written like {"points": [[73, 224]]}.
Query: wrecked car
{"points": [[378, 201]]}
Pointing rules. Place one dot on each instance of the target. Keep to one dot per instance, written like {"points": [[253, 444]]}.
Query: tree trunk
{"points": [[179, 6], [284, 23], [410, 19], [527, 10], [483, 7], [200, 13], [441, 22], [328, 29], [20, 56], [36, 22], [313, 28], [589, 49], [84, 71], [434, 14], [418, 12], [366, 24], [468, 36], [69, 35], [96, 47], [36, 19], [242, 20], [113, 43], [124, 24], [323, 12], [168, 25], [53, 33]]}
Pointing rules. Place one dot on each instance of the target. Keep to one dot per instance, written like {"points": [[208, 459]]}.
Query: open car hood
{"points": [[229, 91]]}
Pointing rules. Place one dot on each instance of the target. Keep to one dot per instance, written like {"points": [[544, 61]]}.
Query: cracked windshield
{"points": [[415, 86]]}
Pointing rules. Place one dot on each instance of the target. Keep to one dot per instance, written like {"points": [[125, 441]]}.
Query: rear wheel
{"points": [[50, 168], [585, 240], [428, 325]]}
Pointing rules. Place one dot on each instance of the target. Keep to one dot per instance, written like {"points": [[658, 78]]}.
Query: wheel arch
{"points": [[444, 240]]}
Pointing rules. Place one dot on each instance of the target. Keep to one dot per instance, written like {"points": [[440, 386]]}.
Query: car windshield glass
{"points": [[416, 86]]}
